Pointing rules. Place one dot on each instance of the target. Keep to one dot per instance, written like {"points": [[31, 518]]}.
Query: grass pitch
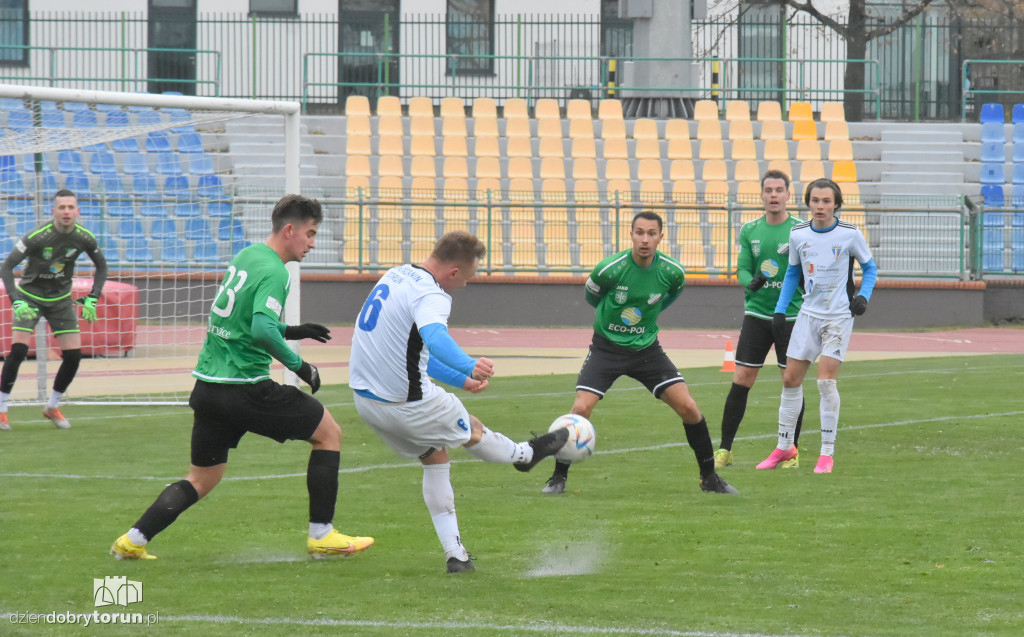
{"points": [[917, 533]]}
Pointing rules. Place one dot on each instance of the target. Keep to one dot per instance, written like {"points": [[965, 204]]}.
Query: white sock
{"points": [[4, 397], [319, 530], [829, 410], [789, 411], [137, 538], [440, 500], [496, 447], [55, 397]]}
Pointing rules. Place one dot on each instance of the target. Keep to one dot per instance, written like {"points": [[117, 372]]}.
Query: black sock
{"points": [[72, 358], [11, 366], [171, 503], [732, 415], [799, 424], [561, 469], [699, 439], [322, 484]]}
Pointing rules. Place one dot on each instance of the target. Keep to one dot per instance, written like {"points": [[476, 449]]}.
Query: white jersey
{"points": [[826, 258], [388, 356]]}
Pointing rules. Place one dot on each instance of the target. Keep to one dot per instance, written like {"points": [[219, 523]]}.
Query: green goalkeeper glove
{"points": [[89, 307], [23, 311]]}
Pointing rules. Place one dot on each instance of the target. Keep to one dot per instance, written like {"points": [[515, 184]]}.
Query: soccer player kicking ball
{"points": [[45, 291], [630, 289], [823, 249], [401, 341], [761, 267], [234, 394]]}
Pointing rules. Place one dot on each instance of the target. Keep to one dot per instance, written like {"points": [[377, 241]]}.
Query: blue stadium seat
{"points": [[190, 143], [76, 107], [53, 119], [167, 164], [156, 211], [19, 120], [1017, 239], [196, 229], [48, 105], [164, 228], [992, 260], [6, 245], [177, 186], [112, 185], [147, 116], [90, 211], [69, 161], [993, 151], [8, 162], [102, 163], [173, 250], [24, 225], [117, 119], [158, 142], [137, 249], [78, 184], [218, 209], [12, 183], [1017, 219], [12, 104], [210, 187], [1018, 173], [993, 196], [1018, 113], [206, 252], [992, 174], [85, 119], [144, 185], [135, 163], [29, 163], [181, 119], [1018, 261], [49, 185], [197, 163], [230, 229], [111, 251], [993, 132], [125, 145], [109, 108], [120, 210], [992, 239], [993, 220], [1017, 200], [130, 228], [992, 112], [187, 210]]}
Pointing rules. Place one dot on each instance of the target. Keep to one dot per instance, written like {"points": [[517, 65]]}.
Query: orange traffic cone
{"points": [[729, 363]]}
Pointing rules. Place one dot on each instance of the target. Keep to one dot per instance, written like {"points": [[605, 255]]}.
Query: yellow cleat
{"points": [[335, 543], [793, 463], [723, 458], [123, 549], [57, 418]]}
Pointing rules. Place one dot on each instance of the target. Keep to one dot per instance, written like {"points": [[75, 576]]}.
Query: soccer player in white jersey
{"points": [[401, 341], [822, 250]]}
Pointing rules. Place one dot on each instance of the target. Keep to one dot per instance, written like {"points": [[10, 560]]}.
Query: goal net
{"points": [[156, 187]]}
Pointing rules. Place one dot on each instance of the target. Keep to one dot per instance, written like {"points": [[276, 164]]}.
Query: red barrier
{"points": [[113, 333]]}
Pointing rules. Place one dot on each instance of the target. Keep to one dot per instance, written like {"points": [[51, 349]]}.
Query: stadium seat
{"points": [[218, 209], [187, 210], [53, 119], [137, 249], [808, 150], [737, 111], [552, 168], [357, 105], [551, 147], [177, 186], [144, 185], [197, 163], [78, 184], [748, 192], [608, 109], [578, 109], [844, 171], [709, 129], [677, 129], [581, 129], [993, 197], [647, 169], [743, 149], [615, 148], [775, 149], [357, 166], [163, 227], [1018, 174], [422, 125], [810, 170], [833, 112], [112, 185], [714, 170], [993, 260], [647, 149], [993, 132], [230, 229], [992, 174], [679, 148], [85, 119], [840, 150], [390, 166], [805, 129], [705, 109], [741, 130], [120, 210], [488, 168], [158, 142], [484, 107], [389, 105], [645, 128], [837, 131], [173, 249], [747, 170], [70, 162], [617, 169], [583, 168], [769, 111], [102, 163], [23, 225], [681, 170], [190, 143], [519, 168], [455, 167], [800, 111], [168, 164], [992, 112], [1017, 201], [125, 145], [197, 229], [772, 130], [130, 228], [711, 149], [19, 120], [423, 166], [12, 183]]}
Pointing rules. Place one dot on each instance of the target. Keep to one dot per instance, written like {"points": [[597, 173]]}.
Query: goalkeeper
{"points": [[45, 291], [761, 267]]}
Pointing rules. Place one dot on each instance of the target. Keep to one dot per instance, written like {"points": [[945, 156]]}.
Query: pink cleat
{"points": [[824, 465], [777, 457]]}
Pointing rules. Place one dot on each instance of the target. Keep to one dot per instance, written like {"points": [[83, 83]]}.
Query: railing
{"points": [[970, 92], [125, 67]]}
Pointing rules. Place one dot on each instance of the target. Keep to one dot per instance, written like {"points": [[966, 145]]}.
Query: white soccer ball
{"points": [[582, 438]]}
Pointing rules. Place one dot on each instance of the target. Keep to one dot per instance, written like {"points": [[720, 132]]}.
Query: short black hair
{"points": [[295, 208], [64, 192], [774, 173], [837, 194], [650, 215]]}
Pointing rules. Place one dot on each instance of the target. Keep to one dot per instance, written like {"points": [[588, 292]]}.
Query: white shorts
{"points": [[413, 429], [813, 336]]}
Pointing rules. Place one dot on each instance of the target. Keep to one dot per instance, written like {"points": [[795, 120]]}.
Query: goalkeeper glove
{"points": [[310, 374], [757, 282], [307, 330], [858, 305], [23, 311], [88, 304]]}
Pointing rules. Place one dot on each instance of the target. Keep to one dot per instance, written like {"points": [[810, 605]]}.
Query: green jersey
{"points": [[629, 298], [51, 263], [257, 281], [764, 248]]}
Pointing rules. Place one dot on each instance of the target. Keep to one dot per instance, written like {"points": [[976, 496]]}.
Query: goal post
{"points": [[159, 192]]}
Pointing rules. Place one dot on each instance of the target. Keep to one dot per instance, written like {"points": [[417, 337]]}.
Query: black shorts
{"points": [[606, 361], [224, 413], [756, 338]]}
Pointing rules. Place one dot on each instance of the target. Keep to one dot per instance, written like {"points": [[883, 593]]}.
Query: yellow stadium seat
{"points": [[423, 166], [551, 147], [647, 149], [840, 150], [615, 148], [357, 185], [578, 109], [390, 166], [488, 186], [775, 149], [420, 106], [679, 148], [748, 193], [705, 109], [485, 127], [714, 170], [747, 170], [741, 129], [851, 196], [357, 145], [389, 105], [421, 125], [649, 169], [357, 105], [520, 168], [454, 146], [711, 149], [652, 191], [743, 149], [549, 128], [456, 217], [422, 145], [584, 168], [645, 129], [833, 112], [609, 109], [804, 129], [737, 111], [484, 107], [613, 129], [584, 148], [616, 169], [681, 170], [684, 191], [453, 107], [772, 129], [552, 168], [357, 125], [486, 147], [389, 124], [811, 170], [782, 165], [515, 107], [808, 150], [618, 190], [517, 127], [709, 129], [585, 191], [455, 167], [455, 125], [488, 167], [520, 189], [844, 171], [581, 129], [716, 192], [769, 111], [799, 111], [391, 188], [546, 108], [390, 145], [837, 130], [357, 166], [677, 129], [519, 147]]}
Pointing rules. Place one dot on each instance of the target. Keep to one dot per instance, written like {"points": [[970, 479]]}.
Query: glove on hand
{"points": [[88, 304], [23, 311], [757, 282], [307, 330], [310, 375], [858, 305]]}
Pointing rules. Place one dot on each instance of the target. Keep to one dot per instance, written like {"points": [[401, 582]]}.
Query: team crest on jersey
{"points": [[755, 247], [631, 316], [57, 268], [621, 295], [48, 252], [836, 251]]}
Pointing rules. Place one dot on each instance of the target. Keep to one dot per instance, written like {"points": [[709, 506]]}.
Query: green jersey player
{"points": [[761, 267], [629, 291], [44, 291], [234, 394]]}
